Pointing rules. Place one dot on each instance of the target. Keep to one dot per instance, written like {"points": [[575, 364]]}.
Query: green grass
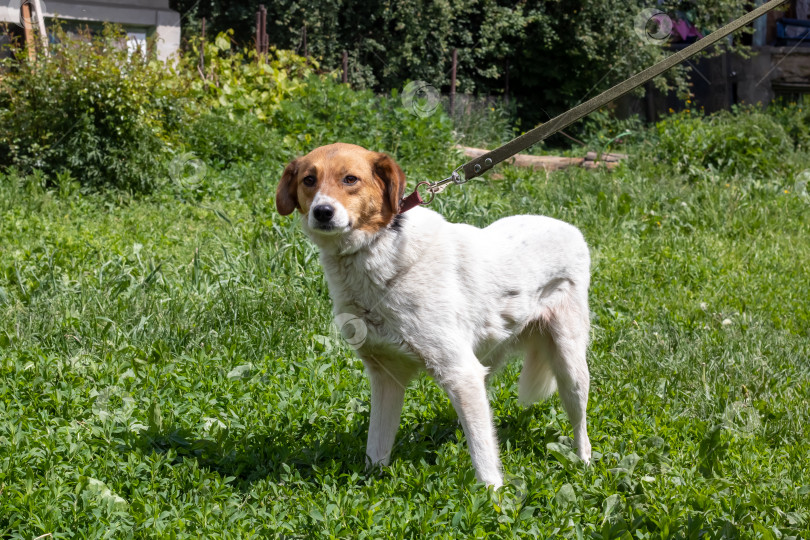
{"points": [[168, 369]]}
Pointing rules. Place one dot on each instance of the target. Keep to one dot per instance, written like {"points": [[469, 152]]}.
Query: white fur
{"points": [[452, 299], [339, 222]]}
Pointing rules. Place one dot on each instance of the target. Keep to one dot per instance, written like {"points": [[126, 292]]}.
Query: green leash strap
{"points": [[483, 163]]}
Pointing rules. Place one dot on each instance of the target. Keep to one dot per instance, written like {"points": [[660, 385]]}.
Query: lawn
{"points": [[168, 368]]}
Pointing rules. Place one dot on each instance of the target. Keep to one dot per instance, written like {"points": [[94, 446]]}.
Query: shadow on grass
{"points": [[252, 456], [527, 430], [274, 454]]}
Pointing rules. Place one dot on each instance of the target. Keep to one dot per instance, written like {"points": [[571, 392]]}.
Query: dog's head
{"points": [[342, 189]]}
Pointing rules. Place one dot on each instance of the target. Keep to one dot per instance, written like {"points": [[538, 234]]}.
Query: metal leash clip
{"points": [[437, 187]]}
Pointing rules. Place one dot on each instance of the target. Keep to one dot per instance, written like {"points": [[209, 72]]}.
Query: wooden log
{"points": [[345, 64], [506, 85], [258, 34], [202, 51], [550, 163], [263, 39], [599, 164], [610, 157]]}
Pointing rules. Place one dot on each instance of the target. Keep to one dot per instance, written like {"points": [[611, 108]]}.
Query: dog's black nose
{"points": [[323, 212]]}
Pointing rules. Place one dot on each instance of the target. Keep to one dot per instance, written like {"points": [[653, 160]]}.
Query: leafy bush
{"points": [[91, 109], [221, 139], [235, 81], [745, 142], [484, 123], [324, 111], [604, 132], [794, 117]]}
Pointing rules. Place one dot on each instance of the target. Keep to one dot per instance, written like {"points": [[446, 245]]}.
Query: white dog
{"points": [[448, 298]]}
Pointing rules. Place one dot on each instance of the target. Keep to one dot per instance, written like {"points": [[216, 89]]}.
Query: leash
{"points": [[481, 164]]}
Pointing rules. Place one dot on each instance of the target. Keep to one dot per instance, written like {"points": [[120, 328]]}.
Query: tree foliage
{"points": [[558, 52]]}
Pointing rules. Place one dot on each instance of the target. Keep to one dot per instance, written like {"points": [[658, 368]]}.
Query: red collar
{"points": [[411, 201]]}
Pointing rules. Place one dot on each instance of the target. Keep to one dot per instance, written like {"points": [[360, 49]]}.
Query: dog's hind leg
{"points": [[387, 397], [569, 326], [537, 380]]}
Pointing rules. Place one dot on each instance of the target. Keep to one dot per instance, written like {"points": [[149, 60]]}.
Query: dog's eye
{"points": [[350, 180], [309, 181]]}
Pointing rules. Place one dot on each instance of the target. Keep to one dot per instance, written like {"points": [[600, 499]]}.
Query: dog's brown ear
{"points": [[392, 177], [287, 192]]}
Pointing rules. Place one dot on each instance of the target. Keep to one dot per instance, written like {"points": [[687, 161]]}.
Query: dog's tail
{"points": [[537, 380]]}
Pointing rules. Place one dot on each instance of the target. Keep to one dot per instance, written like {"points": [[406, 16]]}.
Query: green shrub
{"points": [[745, 142], [484, 123], [323, 111], [222, 139], [794, 117], [233, 80], [90, 109], [603, 131]]}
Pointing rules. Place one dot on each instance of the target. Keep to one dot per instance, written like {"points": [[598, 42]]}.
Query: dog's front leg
{"points": [[387, 397], [465, 385]]}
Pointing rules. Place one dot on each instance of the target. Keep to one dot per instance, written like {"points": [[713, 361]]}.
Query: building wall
{"points": [[789, 72], [154, 16]]}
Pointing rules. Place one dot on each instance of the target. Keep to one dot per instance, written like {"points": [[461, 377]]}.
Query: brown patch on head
{"points": [[367, 184]]}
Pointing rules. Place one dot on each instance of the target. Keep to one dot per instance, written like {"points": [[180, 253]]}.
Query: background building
{"points": [[141, 19]]}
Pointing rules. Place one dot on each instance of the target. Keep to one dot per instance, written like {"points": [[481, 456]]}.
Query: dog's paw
{"points": [[584, 454], [374, 466], [493, 480]]}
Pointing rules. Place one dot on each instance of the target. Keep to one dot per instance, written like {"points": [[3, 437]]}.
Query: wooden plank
{"points": [[28, 29], [43, 33]]}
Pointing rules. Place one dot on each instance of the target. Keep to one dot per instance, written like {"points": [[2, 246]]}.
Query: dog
{"points": [[447, 298]]}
